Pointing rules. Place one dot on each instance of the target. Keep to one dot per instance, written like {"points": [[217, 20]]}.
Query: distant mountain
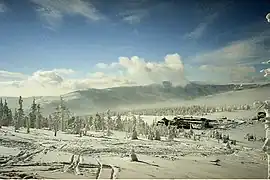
{"points": [[94, 100]]}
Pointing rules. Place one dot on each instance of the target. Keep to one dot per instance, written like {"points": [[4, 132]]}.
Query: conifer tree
{"points": [[56, 119], [102, 122], [38, 117], [71, 121], [50, 122], [21, 120], [62, 109], [134, 128], [86, 126], [6, 117], [97, 122], [109, 123], [28, 124], [90, 121], [10, 117], [16, 124], [78, 125], [33, 114], [45, 122], [119, 123]]}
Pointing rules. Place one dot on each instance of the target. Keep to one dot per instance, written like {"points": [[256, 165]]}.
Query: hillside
{"points": [[93, 100]]}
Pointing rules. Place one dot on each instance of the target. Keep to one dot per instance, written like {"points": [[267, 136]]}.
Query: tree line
{"points": [[18, 118], [62, 119]]}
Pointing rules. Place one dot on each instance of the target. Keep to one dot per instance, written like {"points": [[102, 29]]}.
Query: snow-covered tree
{"points": [[134, 120], [45, 122], [86, 125], [134, 133], [64, 114], [90, 121], [16, 117], [157, 135], [71, 121], [140, 125], [50, 122], [38, 117], [21, 121], [109, 123], [28, 124], [171, 133], [10, 117], [5, 118], [33, 114], [118, 123], [56, 119], [150, 134], [78, 125], [98, 122]]}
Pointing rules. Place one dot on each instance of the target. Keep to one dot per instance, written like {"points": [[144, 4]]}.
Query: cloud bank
{"points": [[124, 72], [127, 72], [234, 62]]}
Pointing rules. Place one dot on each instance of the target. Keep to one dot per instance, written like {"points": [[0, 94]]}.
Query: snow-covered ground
{"points": [[41, 155]]}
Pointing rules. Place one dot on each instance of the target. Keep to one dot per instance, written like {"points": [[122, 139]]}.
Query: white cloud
{"points": [[53, 83], [99, 80], [53, 11], [244, 51], [132, 19], [127, 72], [199, 30], [172, 69], [239, 68], [235, 61], [133, 16], [106, 66], [6, 75], [39, 83], [238, 73], [64, 71], [46, 77], [143, 72], [3, 7]]}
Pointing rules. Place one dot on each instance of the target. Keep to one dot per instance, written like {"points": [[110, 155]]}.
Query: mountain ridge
{"points": [[93, 100]]}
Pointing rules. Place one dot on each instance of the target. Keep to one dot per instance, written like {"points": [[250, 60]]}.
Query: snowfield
{"points": [[41, 155], [96, 155]]}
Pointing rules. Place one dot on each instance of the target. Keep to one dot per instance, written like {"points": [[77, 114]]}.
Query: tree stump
{"points": [[133, 156], [134, 135], [157, 136]]}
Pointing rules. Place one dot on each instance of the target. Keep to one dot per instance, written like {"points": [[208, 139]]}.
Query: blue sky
{"points": [[39, 39]]}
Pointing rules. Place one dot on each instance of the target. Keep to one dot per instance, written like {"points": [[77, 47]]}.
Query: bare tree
{"points": [[56, 119], [134, 129], [109, 123], [20, 119], [28, 124]]}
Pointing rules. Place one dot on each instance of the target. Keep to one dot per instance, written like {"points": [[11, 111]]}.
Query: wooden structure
{"points": [[187, 122]]}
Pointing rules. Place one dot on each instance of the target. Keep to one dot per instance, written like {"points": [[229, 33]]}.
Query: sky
{"points": [[52, 47]]}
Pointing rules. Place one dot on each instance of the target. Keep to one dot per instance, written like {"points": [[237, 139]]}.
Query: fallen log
{"points": [[99, 169], [76, 168]]}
